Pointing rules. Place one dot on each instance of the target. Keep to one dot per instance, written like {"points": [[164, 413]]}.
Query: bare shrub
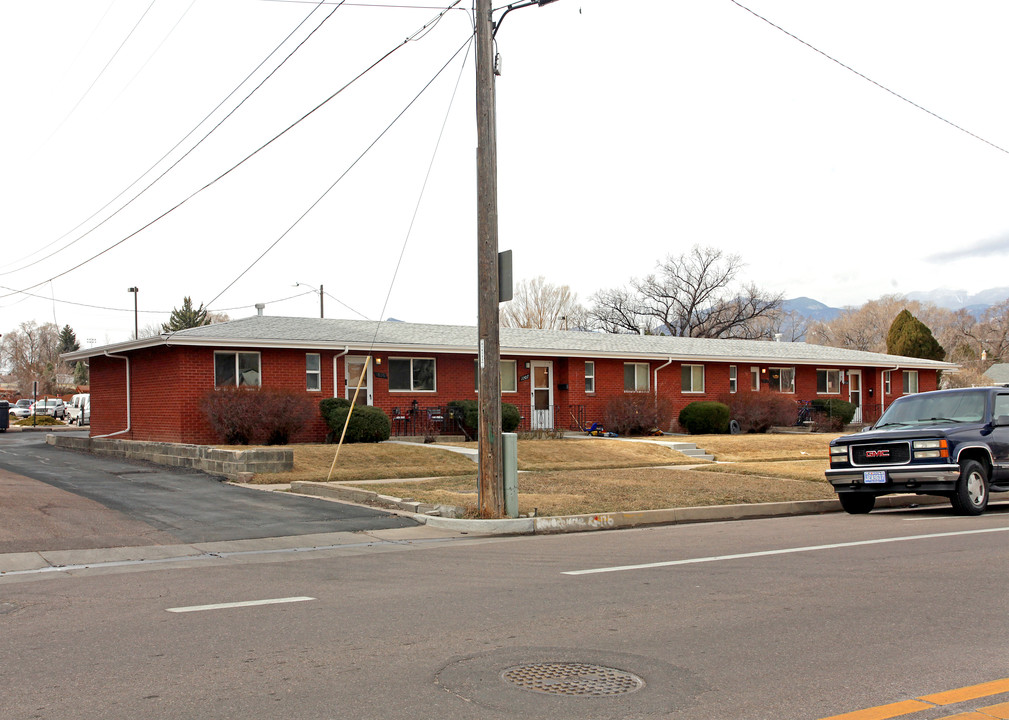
{"points": [[637, 414], [241, 416], [757, 412]]}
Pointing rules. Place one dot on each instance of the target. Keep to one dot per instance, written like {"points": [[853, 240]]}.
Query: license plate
{"points": [[874, 476]]}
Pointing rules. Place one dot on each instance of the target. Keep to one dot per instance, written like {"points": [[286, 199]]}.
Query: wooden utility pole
{"points": [[491, 483]]}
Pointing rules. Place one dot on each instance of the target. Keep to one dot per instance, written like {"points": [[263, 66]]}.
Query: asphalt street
{"points": [[796, 618]]}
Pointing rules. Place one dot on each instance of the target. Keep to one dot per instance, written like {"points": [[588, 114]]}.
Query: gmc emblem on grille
{"points": [[877, 453]]}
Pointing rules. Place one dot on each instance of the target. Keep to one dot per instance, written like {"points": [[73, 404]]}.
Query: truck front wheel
{"points": [[970, 497]]}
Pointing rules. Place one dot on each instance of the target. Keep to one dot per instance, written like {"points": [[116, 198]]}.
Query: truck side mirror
{"points": [[1002, 421]]}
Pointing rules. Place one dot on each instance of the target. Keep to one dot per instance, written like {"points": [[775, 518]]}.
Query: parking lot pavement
{"points": [[38, 516], [60, 499]]}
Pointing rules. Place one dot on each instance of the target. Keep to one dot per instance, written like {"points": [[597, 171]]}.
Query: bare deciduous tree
{"points": [[692, 295], [32, 353], [541, 305]]}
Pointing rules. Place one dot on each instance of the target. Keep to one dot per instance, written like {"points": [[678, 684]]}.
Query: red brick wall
{"points": [[169, 382]]}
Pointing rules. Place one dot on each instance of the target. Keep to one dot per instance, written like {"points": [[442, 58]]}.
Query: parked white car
{"points": [[75, 409], [21, 409]]}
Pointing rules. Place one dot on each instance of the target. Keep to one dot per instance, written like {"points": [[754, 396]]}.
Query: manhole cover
{"points": [[578, 679]]}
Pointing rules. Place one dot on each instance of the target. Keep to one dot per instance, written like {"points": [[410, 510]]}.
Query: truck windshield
{"points": [[958, 407]]}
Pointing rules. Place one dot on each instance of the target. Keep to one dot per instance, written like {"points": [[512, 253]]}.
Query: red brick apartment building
{"points": [[150, 389]]}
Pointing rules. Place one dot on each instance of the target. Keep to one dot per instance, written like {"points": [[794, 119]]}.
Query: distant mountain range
{"points": [[975, 303]]}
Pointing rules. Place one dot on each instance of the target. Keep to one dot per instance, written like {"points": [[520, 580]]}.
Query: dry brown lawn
{"points": [[594, 453], [809, 470], [765, 447], [369, 462], [576, 476], [592, 491]]}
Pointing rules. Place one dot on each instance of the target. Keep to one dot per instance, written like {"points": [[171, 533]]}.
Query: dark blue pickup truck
{"points": [[953, 443]]}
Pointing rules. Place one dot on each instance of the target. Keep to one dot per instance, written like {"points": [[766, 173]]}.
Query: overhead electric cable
{"points": [[345, 172], [174, 147], [236, 165], [102, 71], [155, 51], [420, 196], [869, 79]]}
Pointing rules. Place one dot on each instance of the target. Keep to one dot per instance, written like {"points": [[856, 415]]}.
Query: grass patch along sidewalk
{"points": [[599, 491]]}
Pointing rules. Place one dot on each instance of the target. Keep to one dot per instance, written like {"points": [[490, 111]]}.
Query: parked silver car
{"points": [[54, 407]]}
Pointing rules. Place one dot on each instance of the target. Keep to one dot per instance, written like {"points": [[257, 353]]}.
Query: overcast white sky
{"points": [[627, 130]]}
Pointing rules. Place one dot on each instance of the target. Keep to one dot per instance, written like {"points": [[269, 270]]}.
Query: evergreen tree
{"points": [[910, 337], [68, 340], [186, 317]]}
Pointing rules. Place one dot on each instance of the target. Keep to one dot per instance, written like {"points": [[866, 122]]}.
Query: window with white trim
{"points": [[509, 376], [887, 387], [732, 378], [692, 378], [313, 371], [910, 382], [828, 382], [782, 379], [754, 378], [411, 375], [635, 377], [239, 369], [590, 377]]}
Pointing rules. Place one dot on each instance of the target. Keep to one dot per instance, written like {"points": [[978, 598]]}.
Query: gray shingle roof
{"points": [[998, 373], [268, 331]]}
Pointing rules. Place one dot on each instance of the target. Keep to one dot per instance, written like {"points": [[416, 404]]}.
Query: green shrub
{"points": [[510, 416], [39, 420], [705, 418], [834, 409], [637, 414], [469, 413], [367, 424]]}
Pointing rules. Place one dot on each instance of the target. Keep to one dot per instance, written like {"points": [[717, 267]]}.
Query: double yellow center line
{"points": [[927, 702]]}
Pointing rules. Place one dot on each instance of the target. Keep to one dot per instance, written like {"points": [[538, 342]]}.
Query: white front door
{"points": [[354, 371], [542, 400], [855, 393]]}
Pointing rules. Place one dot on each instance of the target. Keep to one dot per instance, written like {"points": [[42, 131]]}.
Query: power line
{"points": [[174, 147], [155, 51], [349, 168], [225, 173], [869, 79], [102, 71]]}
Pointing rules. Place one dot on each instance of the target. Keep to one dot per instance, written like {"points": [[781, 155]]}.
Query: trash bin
{"points": [[5, 419]]}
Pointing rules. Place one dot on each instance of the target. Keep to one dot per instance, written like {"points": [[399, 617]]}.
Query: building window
{"points": [[782, 379], [910, 382], [692, 378], [411, 374], [236, 369], [635, 377], [509, 376], [755, 378], [887, 388], [828, 382], [732, 378], [590, 377], [313, 371]]}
